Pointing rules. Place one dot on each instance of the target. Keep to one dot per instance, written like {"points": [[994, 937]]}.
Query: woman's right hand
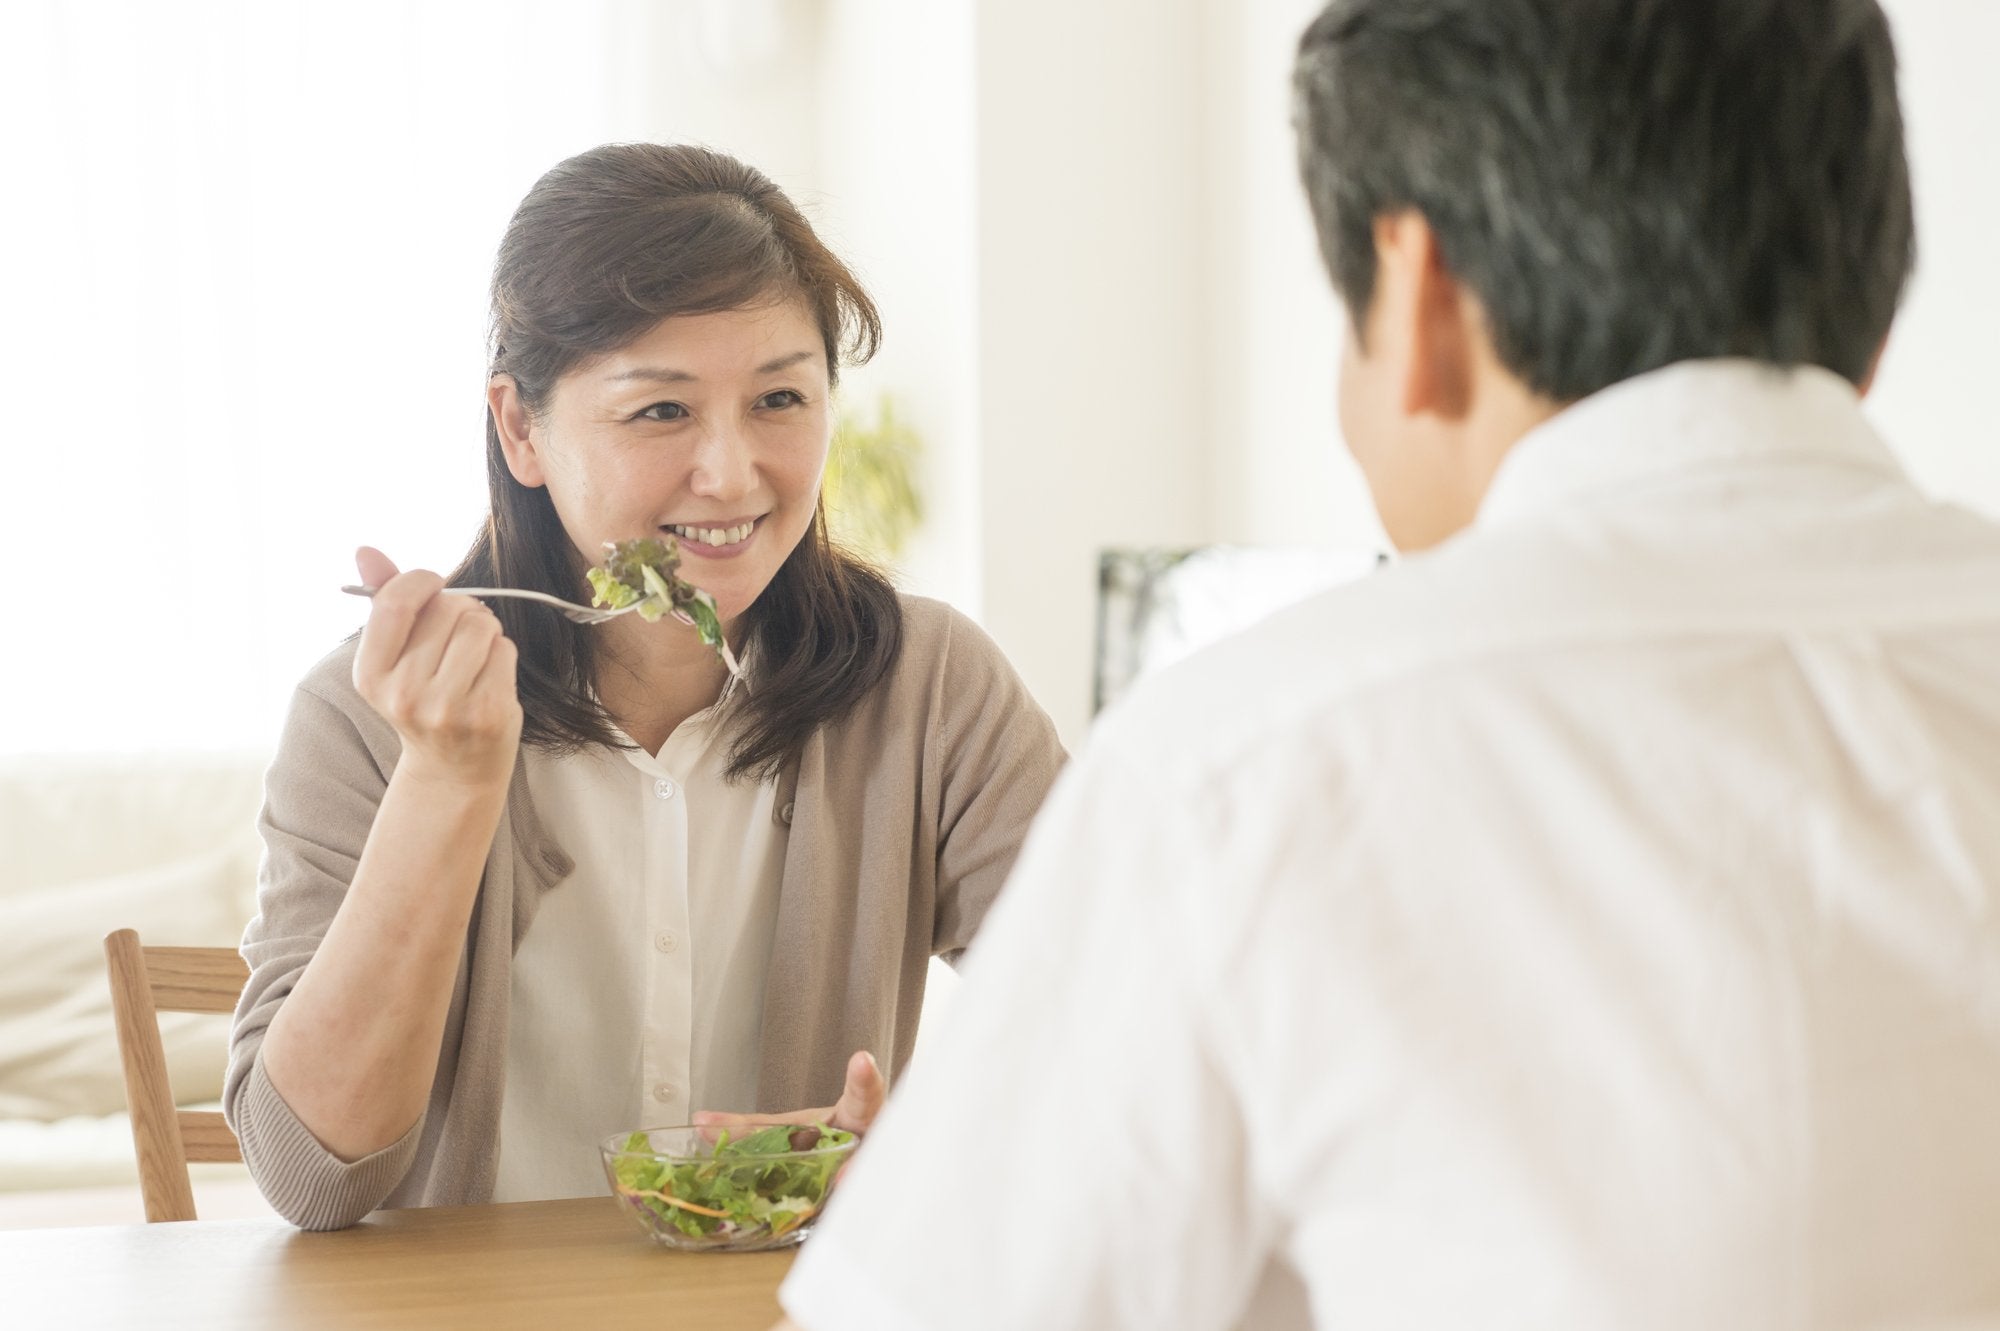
{"points": [[438, 669]]}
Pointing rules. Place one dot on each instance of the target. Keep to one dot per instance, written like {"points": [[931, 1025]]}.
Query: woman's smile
{"points": [[714, 540]]}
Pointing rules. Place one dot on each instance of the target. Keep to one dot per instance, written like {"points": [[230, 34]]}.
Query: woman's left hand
{"points": [[860, 1101]]}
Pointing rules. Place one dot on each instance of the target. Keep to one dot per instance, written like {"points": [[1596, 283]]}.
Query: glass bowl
{"points": [[701, 1189]]}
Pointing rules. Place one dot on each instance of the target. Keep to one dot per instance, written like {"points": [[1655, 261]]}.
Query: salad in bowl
{"points": [[704, 1189]]}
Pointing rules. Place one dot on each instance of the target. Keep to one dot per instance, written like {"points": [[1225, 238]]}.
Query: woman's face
{"points": [[712, 427]]}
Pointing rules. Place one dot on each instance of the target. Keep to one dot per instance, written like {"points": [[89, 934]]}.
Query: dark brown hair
{"points": [[605, 246], [1624, 184]]}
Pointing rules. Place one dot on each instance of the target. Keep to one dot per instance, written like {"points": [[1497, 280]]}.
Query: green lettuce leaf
{"points": [[645, 573]]}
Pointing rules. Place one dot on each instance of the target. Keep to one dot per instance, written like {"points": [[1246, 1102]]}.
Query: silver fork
{"points": [[581, 614]]}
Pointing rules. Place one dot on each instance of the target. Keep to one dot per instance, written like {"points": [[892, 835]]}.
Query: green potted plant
{"points": [[873, 500]]}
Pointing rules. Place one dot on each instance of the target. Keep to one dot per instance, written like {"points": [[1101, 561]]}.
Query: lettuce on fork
{"points": [[646, 573], [755, 1183]]}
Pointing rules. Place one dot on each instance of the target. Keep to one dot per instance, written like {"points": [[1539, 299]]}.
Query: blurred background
{"points": [[248, 244], [246, 250]]}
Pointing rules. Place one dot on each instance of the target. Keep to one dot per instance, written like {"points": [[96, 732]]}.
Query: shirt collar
{"points": [[1685, 417]]}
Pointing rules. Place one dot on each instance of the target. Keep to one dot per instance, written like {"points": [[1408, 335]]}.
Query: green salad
{"points": [[760, 1183], [646, 573]]}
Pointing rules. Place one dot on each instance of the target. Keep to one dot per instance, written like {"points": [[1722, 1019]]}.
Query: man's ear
{"points": [[1426, 316], [515, 424], [1874, 364]]}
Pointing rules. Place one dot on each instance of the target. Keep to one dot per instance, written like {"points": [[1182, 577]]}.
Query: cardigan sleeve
{"points": [[320, 798], [996, 754]]}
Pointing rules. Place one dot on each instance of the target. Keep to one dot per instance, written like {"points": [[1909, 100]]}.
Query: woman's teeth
{"points": [[712, 535]]}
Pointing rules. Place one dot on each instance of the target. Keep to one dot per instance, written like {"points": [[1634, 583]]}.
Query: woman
{"points": [[529, 883]]}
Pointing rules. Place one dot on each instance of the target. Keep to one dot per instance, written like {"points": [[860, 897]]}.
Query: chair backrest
{"points": [[146, 981]]}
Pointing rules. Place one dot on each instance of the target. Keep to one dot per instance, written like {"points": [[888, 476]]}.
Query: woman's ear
{"points": [[515, 424]]}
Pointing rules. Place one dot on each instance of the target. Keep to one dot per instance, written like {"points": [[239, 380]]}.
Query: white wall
{"points": [[895, 198], [1021, 185], [1933, 396], [1280, 473], [1092, 296]]}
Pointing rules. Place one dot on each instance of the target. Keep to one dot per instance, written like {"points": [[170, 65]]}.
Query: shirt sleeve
{"points": [[320, 798], [996, 757], [1069, 1155]]}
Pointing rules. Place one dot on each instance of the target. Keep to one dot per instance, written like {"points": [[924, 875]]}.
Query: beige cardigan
{"points": [[905, 818]]}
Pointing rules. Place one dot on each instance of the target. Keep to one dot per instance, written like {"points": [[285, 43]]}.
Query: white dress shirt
{"points": [[1590, 924], [638, 991]]}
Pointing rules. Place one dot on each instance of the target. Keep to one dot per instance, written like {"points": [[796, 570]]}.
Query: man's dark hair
{"points": [[1622, 183]]}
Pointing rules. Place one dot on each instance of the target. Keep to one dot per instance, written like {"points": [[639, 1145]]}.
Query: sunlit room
{"points": [[1123, 464]]}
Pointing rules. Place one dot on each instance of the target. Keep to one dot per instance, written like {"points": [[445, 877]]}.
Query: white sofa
{"points": [[166, 845]]}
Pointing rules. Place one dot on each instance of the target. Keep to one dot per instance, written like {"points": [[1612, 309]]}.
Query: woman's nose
{"points": [[722, 463]]}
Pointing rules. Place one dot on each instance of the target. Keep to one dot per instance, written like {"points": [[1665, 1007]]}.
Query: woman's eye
{"points": [[664, 411], [784, 397]]}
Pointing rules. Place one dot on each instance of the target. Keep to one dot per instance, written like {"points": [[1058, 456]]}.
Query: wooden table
{"points": [[578, 1263]]}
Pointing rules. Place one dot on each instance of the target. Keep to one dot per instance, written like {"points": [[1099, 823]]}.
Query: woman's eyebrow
{"points": [[650, 375], [785, 362], [661, 375]]}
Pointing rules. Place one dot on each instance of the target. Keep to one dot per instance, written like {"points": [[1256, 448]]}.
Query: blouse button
{"points": [[663, 788]]}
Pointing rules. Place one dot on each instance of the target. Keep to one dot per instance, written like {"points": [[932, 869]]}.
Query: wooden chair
{"points": [[146, 981]]}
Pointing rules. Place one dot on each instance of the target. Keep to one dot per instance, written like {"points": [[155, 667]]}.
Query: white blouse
{"points": [[638, 990]]}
